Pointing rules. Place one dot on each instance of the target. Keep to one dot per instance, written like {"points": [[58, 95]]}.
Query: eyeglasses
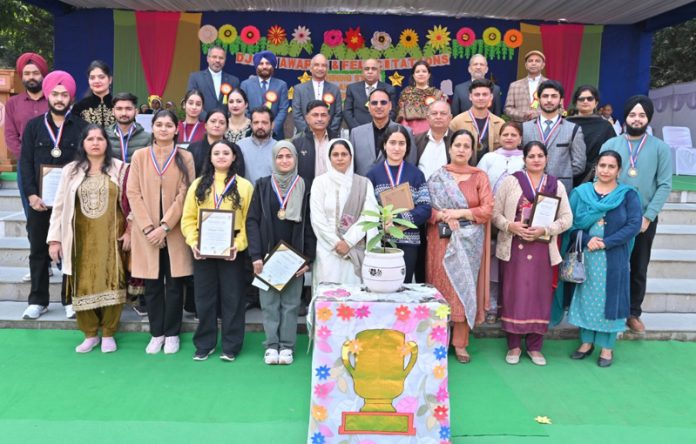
{"points": [[379, 102], [370, 68], [586, 99]]}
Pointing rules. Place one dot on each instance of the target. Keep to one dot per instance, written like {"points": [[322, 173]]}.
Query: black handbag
{"points": [[572, 268], [445, 232]]}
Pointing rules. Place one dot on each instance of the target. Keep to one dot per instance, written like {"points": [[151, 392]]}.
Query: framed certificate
{"points": [[48, 187], [215, 233], [280, 266], [400, 196], [544, 212]]}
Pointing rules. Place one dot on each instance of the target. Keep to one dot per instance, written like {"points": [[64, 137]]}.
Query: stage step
{"points": [[14, 251], [670, 296], [682, 197], [13, 224], [671, 264], [10, 200], [8, 184], [678, 214], [13, 288]]}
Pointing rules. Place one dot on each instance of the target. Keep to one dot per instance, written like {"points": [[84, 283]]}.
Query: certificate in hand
{"points": [[544, 212], [215, 233], [400, 197], [280, 266], [50, 179]]}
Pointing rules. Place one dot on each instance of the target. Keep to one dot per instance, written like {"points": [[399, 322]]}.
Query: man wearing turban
{"points": [[265, 90], [51, 139]]}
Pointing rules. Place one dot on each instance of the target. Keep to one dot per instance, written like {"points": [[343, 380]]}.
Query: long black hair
{"points": [[178, 159], [208, 177], [81, 153], [388, 133]]}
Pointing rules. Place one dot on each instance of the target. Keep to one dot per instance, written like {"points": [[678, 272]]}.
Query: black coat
{"points": [[306, 155]]}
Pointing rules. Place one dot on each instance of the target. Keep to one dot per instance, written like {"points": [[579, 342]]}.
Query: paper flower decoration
{"points": [[466, 37], [250, 35], [301, 35], [380, 40], [318, 438], [345, 312], [324, 314], [408, 38], [402, 312], [438, 37], [362, 312], [354, 39], [355, 346], [513, 38], [333, 38], [319, 412], [322, 372], [208, 34], [396, 79], [304, 78], [227, 34], [440, 413], [444, 433], [439, 371], [491, 36], [442, 311], [276, 35]]}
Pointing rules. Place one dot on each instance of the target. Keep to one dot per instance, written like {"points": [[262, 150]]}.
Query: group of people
{"points": [[125, 220]]}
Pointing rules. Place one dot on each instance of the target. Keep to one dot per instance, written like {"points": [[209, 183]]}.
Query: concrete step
{"points": [[670, 296], [13, 288], [13, 224], [8, 184], [672, 264], [9, 200], [678, 214], [682, 197], [678, 237], [14, 252]]}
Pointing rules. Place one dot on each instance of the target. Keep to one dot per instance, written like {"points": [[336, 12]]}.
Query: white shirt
{"points": [[368, 87], [217, 82], [268, 84], [434, 155], [533, 85], [318, 89]]}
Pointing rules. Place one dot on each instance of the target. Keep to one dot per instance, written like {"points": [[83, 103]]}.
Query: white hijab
{"points": [[344, 180]]}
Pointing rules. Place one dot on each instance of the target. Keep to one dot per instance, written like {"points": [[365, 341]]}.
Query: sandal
{"points": [[462, 355]]}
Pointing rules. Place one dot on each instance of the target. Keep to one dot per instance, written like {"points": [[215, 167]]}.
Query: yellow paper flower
{"points": [[355, 346], [227, 34], [439, 371], [442, 311], [438, 37], [396, 79], [491, 36], [319, 412], [408, 39], [304, 78]]}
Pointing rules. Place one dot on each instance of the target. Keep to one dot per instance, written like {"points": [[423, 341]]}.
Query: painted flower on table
{"points": [[422, 312], [442, 394], [402, 312], [408, 38], [322, 372], [208, 34], [333, 37], [276, 35], [318, 438], [345, 312], [444, 432], [381, 40], [438, 37], [439, 371], [466, 36], [339, 292], [323, 332], [250, 34], [440, 352], [362, 312], [513, 38], [491, 36], [319, 412], [324, 314], [323, 390], [354, 39], [301, 35], [442, 311], [407, 404], [440, 413], [355, 346], [439, 334]]}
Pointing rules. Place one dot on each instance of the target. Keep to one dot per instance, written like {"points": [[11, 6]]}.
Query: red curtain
{"points": [[562, 46], [157, 40]]}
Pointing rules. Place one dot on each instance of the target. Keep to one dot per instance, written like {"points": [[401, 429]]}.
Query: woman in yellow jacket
{"points": [[223, 280]]}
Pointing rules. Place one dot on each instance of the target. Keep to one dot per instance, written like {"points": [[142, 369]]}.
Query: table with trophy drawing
{"points": [[379, 366]]}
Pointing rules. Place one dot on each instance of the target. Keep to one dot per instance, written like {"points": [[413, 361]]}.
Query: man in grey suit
{"points": [[478, 68], [366, 138], [564, 140], [355, 111], [317, 89], [265, 90], [209, 81]]}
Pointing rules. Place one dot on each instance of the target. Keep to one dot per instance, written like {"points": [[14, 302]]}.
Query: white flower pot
{"points": [[384, 272]]}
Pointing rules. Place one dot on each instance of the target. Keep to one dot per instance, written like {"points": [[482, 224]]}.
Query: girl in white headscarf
{"points": [[336, 203]]}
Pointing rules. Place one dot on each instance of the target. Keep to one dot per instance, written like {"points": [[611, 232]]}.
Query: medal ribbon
{"points": [[124, 144], [484, 132], [539, 187], [633, 155], [220, 197], [553, 129], [166, 163], [398, 174], [283, 201], [55, 139], [188, 137]]}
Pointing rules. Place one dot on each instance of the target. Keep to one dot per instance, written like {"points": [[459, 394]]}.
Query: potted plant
{"points": [[384, 269]]}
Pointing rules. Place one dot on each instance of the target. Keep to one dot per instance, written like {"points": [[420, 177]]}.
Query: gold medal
{"points": [[56, 152], [632, 172], [281, 214]]}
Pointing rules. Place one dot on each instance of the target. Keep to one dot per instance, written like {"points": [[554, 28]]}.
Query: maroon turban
{"points": [[30, 57], [56, 78]]}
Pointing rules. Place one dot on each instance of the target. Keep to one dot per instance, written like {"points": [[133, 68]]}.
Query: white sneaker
{"points": [[285, 357], [155, 345], [271, 356], [171, 345], [69, 312], [34, 311], [27, 277]]}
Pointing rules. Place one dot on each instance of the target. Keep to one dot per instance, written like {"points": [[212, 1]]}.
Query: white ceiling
{"points": [[577, 11]]}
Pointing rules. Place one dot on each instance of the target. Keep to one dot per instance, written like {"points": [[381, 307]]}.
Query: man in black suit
{"points": [[356, 111], [478, 68], [209, 81]]}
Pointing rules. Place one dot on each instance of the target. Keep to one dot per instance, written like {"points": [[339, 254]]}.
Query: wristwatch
{"points": [[165, 227]]}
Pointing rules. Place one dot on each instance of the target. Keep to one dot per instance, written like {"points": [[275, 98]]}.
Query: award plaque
{"points": [[215, 233], [48, 187], [400, 197]]}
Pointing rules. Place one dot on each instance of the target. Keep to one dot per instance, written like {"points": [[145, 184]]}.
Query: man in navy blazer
{"points": [[317, 89], [355, 111], [478, 68], [209, 81], [265, 90]]}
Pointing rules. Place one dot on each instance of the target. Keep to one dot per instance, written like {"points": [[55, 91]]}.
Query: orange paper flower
{"points": [[276, 35], [513, 38]]}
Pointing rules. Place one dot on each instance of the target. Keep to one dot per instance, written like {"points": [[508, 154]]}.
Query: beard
{"points": [[636, 131], [32, 86], [261, 133], [551, 108], [58, 112]]}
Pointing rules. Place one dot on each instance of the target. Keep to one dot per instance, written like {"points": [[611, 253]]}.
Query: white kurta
{"points": [[498, 166]]}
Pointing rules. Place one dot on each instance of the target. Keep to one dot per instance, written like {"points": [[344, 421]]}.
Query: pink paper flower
{"points": [[422, 312], [439, 334], [324, 332], [442, 394], [333, 37], [362, 312], [323, 390], [381, 40], [337, 293], [301, 35]]}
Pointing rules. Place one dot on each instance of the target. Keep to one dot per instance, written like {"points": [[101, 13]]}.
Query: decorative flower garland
{"points": [[491, 45]]}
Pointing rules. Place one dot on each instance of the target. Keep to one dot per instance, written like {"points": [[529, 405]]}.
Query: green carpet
{"points": [[683, 183], [48, 393]]}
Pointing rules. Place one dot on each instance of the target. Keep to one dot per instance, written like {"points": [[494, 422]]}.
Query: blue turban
{"points": [[268, 55]]}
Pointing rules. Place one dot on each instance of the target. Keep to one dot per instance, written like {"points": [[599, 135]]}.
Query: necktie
{"points": [[264, 85], [370, 89], [318, 92], [547, 130]]}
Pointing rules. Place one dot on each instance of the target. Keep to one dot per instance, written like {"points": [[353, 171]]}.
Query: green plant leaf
{"points": [[367, 225], [395, 233], [404, 222], [372, 243], [371, 213]]}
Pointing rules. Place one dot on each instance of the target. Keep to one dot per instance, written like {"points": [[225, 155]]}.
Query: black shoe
{"points": [[140, 311], [202, 356], [603, 362], [229, 357], [577, 354]]}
